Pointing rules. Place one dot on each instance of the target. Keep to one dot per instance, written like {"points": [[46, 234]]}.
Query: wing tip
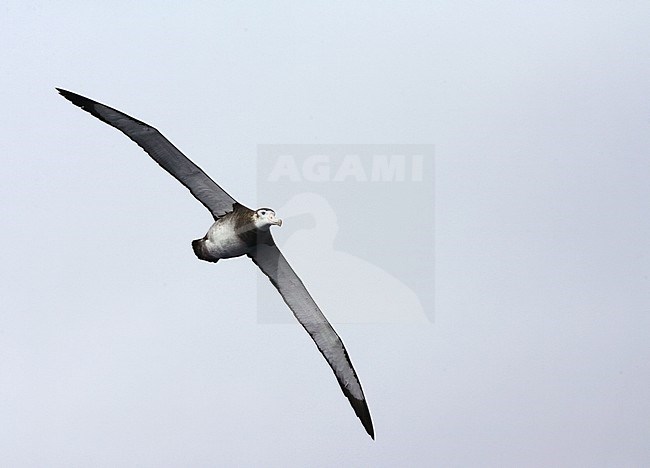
{"points": [[94, 108], [69, 95], [371, 432], [367, 425], [80, 101], [360, 408]]}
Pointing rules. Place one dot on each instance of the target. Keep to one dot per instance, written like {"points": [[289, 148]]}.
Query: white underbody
{"points": [[222, 240]]}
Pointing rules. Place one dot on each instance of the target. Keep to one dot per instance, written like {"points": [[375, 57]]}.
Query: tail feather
{"points": [[200, 251]]}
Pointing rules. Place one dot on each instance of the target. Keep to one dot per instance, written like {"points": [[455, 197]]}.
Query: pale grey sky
{"points": [[119, 348]]}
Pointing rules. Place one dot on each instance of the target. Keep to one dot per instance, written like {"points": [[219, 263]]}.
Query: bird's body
{"points": [[239, 231], [235, 234], [221, 241]]}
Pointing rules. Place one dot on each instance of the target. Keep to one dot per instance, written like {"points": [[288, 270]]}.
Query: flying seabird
{"points": [[236, 231]]}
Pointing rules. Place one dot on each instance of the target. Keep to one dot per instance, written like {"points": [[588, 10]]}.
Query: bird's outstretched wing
{"points": [[213, 197], [273, 264]]}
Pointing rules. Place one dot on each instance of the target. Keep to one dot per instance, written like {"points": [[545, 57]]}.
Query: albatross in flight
{"points": [[238, 231]]}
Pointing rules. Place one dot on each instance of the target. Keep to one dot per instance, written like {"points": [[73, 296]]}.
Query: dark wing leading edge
{"points": [[275, 266], [162, 151]]}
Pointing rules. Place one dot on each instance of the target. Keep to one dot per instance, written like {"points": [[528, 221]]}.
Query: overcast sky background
{"points": [[119, 348]]}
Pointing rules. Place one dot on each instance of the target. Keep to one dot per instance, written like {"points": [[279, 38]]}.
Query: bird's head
{"points": [[264, 218]]}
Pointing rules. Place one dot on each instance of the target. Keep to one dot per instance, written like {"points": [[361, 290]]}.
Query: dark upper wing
{"points": [[162, 151], [274, 265]]}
